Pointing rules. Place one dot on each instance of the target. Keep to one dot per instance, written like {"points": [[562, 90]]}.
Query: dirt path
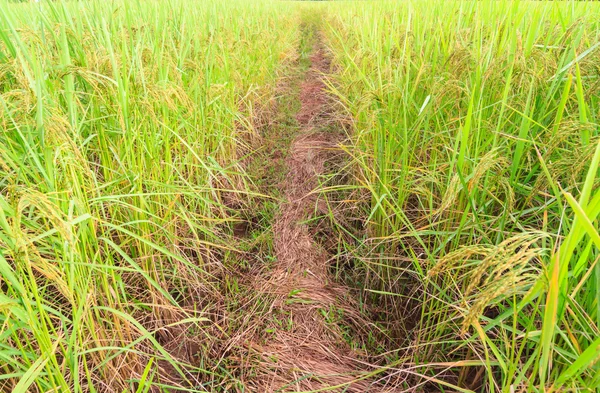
{"points": [[309, 351]]}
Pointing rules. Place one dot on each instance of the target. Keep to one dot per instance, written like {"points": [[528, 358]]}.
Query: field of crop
{"points": [[276, 196], [476, 152]]}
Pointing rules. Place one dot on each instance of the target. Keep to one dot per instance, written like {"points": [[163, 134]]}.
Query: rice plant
{"points": [[475, 151], [123, 124]]}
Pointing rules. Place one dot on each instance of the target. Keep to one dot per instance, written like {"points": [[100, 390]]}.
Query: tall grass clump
{"points": [[122, 127], [475, 160]]}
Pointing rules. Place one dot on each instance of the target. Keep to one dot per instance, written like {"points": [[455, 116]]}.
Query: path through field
{"points": [[310, 353]]}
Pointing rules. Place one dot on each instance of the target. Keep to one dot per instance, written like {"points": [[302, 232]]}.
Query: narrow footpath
{"points": [[310, 352]]}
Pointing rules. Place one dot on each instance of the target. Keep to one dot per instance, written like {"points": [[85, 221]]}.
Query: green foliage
{"points": [[122, 128], [474, 168], [476, 144]]}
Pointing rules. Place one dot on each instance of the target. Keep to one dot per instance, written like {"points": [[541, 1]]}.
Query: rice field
{"points": [[123, 125], [146, 155], [476, 150]]}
